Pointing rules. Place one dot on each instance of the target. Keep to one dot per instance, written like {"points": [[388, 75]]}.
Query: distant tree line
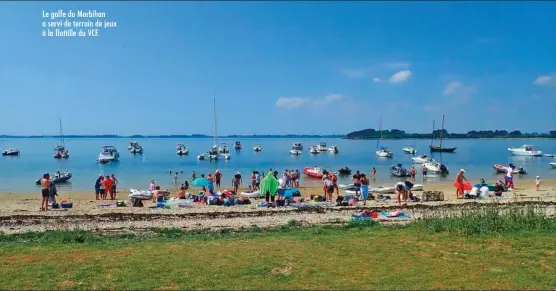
{"points": [[399, 134]]}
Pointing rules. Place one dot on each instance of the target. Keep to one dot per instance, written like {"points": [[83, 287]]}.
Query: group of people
{"points": [[104, 186]]}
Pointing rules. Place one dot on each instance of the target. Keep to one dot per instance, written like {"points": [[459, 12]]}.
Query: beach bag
{"points": [[67, 205], [55, 206]]}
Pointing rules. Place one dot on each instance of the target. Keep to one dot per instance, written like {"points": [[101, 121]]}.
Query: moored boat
{"points": [[108, 154], [136, 148], [344, 171], [295, 152], [550, 155], [297, 146], [314, 172], [257, 148], [436, 167], [60, 151], [237, 145], [399, 171], [553, 164], [421, 159], [440, 148], [10, 152], [502, 169], [409, 150], [333, 149], [57, 178], [181, 150], [384, 153], [526, 150], [322, 147], [223, 149], [314, 149]]}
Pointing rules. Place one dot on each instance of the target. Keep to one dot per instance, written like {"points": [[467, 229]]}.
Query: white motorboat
{"points": [[181, 150], [550, 155], [108, 154], [526, 150], [384, 153], [223, 148], [60, 151], [237, 145], [434, 166], [138, 149], [132, 144], [409, 150], [297, 146], [553, 164], [322, 147], [295, 152], [257, 148], [314, 149], [421, 159], [211, 155], [333, 149], [10, 152]]}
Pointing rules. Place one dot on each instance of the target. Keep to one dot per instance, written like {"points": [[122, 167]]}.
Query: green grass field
{"points": [[424, 255]]}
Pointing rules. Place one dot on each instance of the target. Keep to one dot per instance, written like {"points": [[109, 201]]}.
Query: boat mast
{"points": [[442, 131], [214, 106], [380, 138], [432, 136], [62, 133]]}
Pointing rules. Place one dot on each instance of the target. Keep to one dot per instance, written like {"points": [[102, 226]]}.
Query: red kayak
{"points": [[314, 172]]}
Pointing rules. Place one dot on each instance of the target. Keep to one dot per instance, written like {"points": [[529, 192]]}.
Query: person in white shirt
{"points": [[483, 192], [538, 183]]}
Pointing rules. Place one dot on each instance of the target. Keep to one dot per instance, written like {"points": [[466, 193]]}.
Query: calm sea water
{"points": [[136, 171]]}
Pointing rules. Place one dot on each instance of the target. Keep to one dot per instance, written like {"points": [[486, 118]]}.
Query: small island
{"points": [[474, 134]]}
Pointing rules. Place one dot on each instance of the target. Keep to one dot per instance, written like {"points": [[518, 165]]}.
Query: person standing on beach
{"points": [[510, 177], [364, 189], [236, 182], [253, 180], [217, 178], [424, 169], [152, 187], [115, 184], [538, 183], [102, 189], [45, 191], [334, 178], [374, 173], [357, 182], [108, 183], [257, 180], [211, 182], [412, 173], [176, 179], [53, 192], [459, 183], [97, 187]]}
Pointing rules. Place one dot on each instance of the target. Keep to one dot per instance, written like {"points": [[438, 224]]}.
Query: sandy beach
{"points": [[19, 212]]}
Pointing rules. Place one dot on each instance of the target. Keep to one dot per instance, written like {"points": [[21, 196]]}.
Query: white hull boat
{"points": [[384, 153], [295, 152], [257, 148], [297, 146], [140, 194], [553, 164], [181, 150], [223, 149], [322, 147], [550, 155], [254, 194], [60, 151], [436, 167], [314, 150], [409, 150], [208, 157], [11, 152], [132, 144], [109, 154], [525, 150], [421, 159], [333, 149], [136, 150]]}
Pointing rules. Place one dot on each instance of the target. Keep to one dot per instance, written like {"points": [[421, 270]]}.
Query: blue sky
{"points": [[281, 67]]}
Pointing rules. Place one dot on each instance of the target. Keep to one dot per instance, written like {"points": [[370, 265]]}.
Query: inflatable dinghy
{"points": [[140, 194], [254, 194]]}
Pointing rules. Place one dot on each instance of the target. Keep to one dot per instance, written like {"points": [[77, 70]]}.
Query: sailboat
{"points": [[60, 151], [382, 152], [214, 152], [440, 148]]}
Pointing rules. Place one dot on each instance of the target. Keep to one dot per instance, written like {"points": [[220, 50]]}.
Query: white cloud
{"points": [[452, 87], [548, 80], [296, 102], [377, 80], [378, 68], [293, 102], [400, 77]]}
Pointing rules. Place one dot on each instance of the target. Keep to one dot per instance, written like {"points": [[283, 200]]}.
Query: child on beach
{"points": [[538, 183]]}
